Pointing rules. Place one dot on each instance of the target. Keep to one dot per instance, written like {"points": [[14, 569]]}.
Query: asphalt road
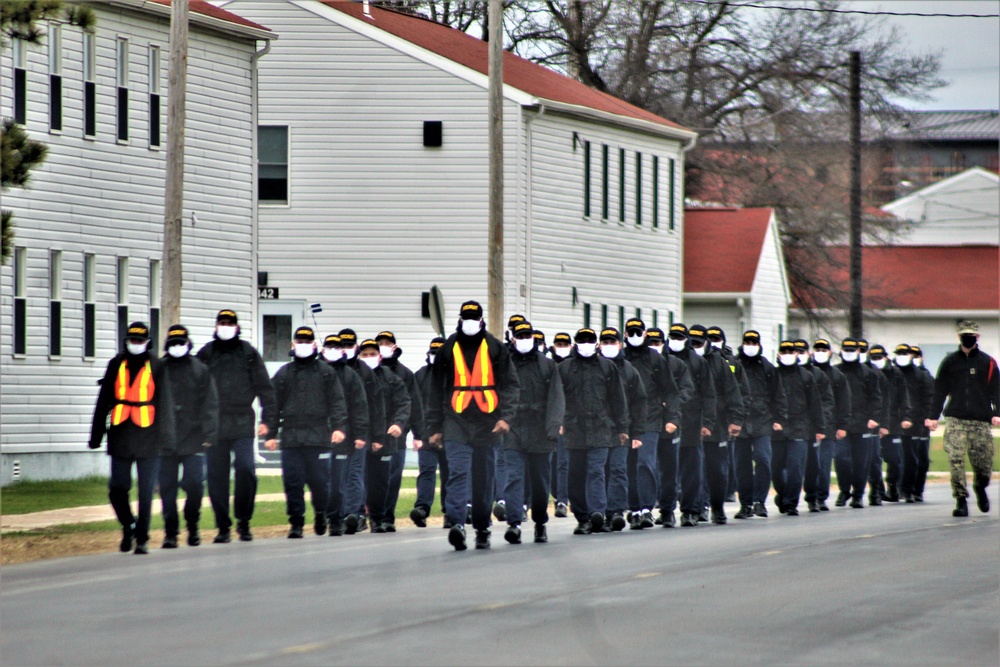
{"points": [[900, 584]]}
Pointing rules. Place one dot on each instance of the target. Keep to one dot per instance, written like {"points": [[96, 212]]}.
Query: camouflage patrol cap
{"points": [[968, 327]]}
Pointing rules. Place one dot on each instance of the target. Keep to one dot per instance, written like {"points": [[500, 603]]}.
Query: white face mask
{"points": [[788, 359], [918, 361], [903, 360], [430, 358], [386, 352], [471, 327], [136, 348], [849, 357], [751, 350], [863, 356], [656, 348], [177, 351], [803, 358], [562, 351], [700, 351], [821, 356], [610, 351], [333, 353], [635, 341], [542, 348], [350, 352], [303, 350], [371, 362], [586, 349], [718, 344], [878, 363], [676, 345], [225, 332], [524, 345]]}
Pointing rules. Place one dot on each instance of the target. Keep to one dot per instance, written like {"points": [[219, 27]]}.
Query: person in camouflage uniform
{"points": [[970, 380]]}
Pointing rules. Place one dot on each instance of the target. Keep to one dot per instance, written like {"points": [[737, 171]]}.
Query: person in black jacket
{"points": [[429, 458], [853, 454], [767, 411], [917, 444], [717, 338], [240, 377], [698, 421], [662, 417], [354, 488], [390, 353], [528, 448], [837, 410], [596, 420], [562, 347], [729, 416], [896, 418], [668, 444], [136, 394], [804, 425], [196, 412], [471, 403], [312, 418], [969, 380], [616, 472], [355, 437]]}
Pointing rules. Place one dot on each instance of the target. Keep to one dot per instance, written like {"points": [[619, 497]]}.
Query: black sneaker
{"points": [[908, 498], [646, 519], [483, 539], [389, 525], [842, 499], [792, 511], [194, 537], [918, 497], [295, 533], [319, 525], [892, 494], [418, 515], [634, 521], [336, 530], [813, 506], [126, 543], [857, 504], [582, 528], [596, 522], [363, 523], [702, 516], [982, 500], [351, 524], [823, 506], [500, 510], [222, 538], [141, 548], [243, 528], [617, 522], [745, 512], [875, 500], [378, 527], [561, 511], [667, 519], [689, 519], [759, 510], [719, 518], [513, 535], [169, 542], [961, 508], [541, 536], [456, 537]]}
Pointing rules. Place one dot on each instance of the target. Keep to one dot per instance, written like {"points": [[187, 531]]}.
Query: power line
{"points": [[754, 5]]}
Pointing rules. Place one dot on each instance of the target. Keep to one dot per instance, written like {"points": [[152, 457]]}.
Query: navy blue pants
{"points": [[395, 480], [301, 466], [531, 469], [471, 479], [891, 451], [690, 464], [378, 467], [500, 475], [616, 476], [753, 469], [340, 467], [429, 460], [193, 483], [586, 484], [560, 472], [816, 483], [354, 491], [852, 460], [668, 460], [642, 473], [717, 472], [788, 467], [238, 454], [916, 462], [119, 484]]}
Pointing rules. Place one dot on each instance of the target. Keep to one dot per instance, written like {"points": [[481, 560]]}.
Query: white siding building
{"points": [[374, 170], [89, 226]]}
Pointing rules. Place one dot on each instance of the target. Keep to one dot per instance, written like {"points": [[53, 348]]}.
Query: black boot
{"points": [[541, 536], [979, 487], [126, 543], [456, 537], [961, 508], [418, 515], [319, 525], [483, 539], [194, 537], [295, 532], [169, 542], [243, 528], [892, 493], [513, 534]]}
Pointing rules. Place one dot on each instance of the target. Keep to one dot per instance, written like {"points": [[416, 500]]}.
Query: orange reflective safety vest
{"points": [[134, 398], [480, 384]]}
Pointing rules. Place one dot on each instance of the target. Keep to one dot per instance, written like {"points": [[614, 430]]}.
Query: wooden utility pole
{"points": [[856, 313], [173, 209], [495, 251]]}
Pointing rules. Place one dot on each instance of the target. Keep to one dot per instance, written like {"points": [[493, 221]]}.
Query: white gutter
{"points": [[706, 297], [677, 133], [197, 19]]}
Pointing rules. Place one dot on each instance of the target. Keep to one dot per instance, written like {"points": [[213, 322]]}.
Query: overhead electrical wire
{"points": [[826, 10]]}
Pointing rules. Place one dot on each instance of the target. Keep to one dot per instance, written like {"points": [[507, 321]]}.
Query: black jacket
{"points": [[357, 406], [685, 390], [896, 404], [866, 396], [471, 426], [700, 411], [920, 392], [729, 406], [825, 388], [596, 410], [971, 383], [663, 403], [805, 406], [127, 440], [196, 405], [311, 403], [422, 379], [541, 404], [240, 377], [388, 403], [416, 404], [841, 419], [635, 396], [925, 399], [767, 402]]}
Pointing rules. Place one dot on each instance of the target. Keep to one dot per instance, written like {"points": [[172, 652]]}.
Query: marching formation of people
{"points": [[612, 426]]}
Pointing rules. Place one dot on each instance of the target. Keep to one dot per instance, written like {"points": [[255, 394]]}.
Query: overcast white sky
{"points": [[970, 48]]}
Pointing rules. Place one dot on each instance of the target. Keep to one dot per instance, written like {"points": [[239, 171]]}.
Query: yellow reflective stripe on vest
{"points": [[121, 411], [487, 400], [460, 399], [143, 415]]}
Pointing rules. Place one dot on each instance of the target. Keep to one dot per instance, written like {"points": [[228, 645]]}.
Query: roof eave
{"points": [[678, 133], [715, 297], [198, 19]]}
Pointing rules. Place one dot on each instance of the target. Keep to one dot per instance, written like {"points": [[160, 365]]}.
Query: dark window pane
{"points": [[89, 330], [272, 144], [55, 328], [20, 96], [122, 324], [123, 114], [277, 336], [154, 327], [90, 108], [55, 102], [20, 326], [272, 189], [154, 120]]}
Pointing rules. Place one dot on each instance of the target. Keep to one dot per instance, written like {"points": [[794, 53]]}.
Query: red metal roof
{"points": [[910, 277], [203, 7], [473, 53], [722, 247]]}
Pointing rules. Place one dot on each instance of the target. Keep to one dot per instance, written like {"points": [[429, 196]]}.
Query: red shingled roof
{"points": [[913, 277], [203, 7], [473, 53], [722, 247]]}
